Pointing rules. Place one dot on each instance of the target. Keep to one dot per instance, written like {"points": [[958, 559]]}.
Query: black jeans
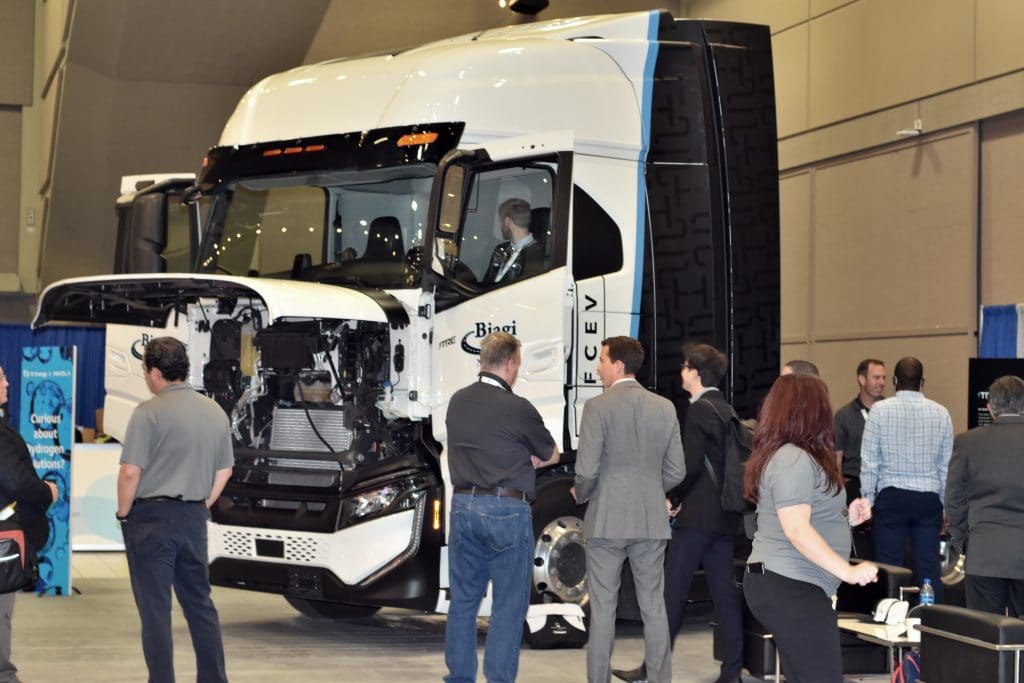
{"points": [[689, 550], [800, 617], [165, 544]]}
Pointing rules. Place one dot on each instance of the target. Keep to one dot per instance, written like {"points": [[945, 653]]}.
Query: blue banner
{"points": [[48, 426]]}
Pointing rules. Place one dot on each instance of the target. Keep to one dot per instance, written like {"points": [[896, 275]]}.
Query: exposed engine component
{"points": [[303, 386]]}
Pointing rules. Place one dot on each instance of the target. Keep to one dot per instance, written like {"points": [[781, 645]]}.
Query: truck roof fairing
{"points": [[585, 74]]}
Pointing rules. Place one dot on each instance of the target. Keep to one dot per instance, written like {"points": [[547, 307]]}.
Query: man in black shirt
{"points": [[850, 419], [495, 440], [19, 484]]}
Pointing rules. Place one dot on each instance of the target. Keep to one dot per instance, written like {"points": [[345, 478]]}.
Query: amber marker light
{"points": [[413, 139], [293, 150], [437, 515], [272, 152]]}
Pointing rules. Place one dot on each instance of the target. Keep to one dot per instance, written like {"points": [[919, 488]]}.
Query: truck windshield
{"points": [[361, 229]]}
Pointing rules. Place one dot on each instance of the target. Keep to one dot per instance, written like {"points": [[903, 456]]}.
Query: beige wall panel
{"points": [[894, 248], [789, 56], [10, 187], [778, 14], [48, 128], [56, 21], [144, 107], [944, 359], [70, 243], [1002, 205], [133, 128], [1000, 48], [793, 351], [795, 249], [874, 54], [17, 21], [819, 7]]}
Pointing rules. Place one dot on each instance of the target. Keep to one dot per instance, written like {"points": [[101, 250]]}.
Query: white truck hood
{"points": [[147, 300]]}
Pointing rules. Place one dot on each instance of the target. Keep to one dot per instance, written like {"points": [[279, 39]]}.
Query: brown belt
{"points": [[501, 491]]}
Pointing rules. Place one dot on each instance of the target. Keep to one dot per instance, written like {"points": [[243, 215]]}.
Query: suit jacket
{"points": [[985, 497], [19, 482], [704, 432], [629, 455], [529, 263]]}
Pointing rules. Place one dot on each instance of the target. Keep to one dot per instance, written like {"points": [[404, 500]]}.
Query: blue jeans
{"points": [[165, 544], [491, 539], [899, 514]]}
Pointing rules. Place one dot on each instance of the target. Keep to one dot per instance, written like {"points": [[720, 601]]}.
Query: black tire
{"points": [[560, 566], [337, 611]]}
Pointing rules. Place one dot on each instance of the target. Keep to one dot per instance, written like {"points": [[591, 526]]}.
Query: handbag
{"points": [[18, 566]]}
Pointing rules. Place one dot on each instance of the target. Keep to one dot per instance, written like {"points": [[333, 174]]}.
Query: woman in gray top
{"points": [[802, 544]]}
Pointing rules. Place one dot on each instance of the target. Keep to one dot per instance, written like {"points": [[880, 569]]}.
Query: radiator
{"points": [[291, 430]]}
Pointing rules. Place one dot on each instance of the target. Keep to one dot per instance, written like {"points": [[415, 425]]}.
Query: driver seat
{"points": [[384, 240]]}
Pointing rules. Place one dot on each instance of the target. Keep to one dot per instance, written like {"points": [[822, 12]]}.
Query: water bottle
{"points": [[927, 594]]}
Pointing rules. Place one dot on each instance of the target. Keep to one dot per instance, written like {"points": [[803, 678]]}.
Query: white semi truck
{"points": [[340, 236]]}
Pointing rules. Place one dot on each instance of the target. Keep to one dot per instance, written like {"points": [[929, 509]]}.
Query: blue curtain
{"points": [[998, 332], [88, 379]]}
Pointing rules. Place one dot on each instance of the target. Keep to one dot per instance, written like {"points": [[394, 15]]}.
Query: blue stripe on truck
{"points": [[641, 185]]}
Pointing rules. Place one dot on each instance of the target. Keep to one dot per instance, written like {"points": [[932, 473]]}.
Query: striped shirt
{"points": [[907, 444]]}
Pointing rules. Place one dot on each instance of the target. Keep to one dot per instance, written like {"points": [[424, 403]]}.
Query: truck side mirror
{"points": [[142, 235]]}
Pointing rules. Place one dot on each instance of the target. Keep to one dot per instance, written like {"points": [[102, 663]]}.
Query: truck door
{"points": [[500, 246]]}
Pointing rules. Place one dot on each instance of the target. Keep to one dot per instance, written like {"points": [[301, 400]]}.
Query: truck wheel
{"points": [[559, 559], [320, 609]]}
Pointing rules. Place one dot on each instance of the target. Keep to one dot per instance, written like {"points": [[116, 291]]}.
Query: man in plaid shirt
{"points": [[905, 453]]}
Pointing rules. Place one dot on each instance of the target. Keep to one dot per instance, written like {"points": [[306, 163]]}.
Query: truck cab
{"points": [[351, 255]]}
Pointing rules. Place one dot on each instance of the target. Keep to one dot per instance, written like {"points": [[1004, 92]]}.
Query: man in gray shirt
{"points": [[177, 457], [850, 419]]}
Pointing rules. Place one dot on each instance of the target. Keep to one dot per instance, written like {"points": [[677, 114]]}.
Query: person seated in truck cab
{"points": [[521, 255]]}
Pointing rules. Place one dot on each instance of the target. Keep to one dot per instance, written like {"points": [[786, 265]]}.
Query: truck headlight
{"points": [[393, 497]]}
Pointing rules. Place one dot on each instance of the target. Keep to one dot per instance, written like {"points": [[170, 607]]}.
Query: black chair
{"points": [[960, 645]]}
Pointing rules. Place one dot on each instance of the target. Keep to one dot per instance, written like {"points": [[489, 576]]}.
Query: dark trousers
{"points": [[689, 550], [996, 595], [165, 544], [852, 489], [800, 617], [899, 514]]}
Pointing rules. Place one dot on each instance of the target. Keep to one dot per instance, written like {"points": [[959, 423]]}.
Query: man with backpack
{"points": [[703, 533]]}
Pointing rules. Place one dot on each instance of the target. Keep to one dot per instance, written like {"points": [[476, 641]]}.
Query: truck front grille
{"points": [[242, 544]]}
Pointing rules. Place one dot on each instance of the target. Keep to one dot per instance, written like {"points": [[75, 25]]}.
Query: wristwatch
{"points": [[119, 518]]}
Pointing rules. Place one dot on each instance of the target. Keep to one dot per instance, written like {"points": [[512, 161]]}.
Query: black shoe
{"points": [[738, 678], [637, 675]]}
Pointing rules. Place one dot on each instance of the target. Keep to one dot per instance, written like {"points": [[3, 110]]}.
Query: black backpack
{"points": [[18, 567], [739, 441]]}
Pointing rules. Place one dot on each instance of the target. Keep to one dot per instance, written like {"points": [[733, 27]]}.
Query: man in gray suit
{"points": [[630, 455], [985, 502]]}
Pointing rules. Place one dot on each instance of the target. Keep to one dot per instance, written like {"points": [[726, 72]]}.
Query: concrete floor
{"points": [[94, 636]]}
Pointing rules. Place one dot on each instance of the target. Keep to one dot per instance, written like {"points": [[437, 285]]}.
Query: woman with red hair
{"points": [[802, 545]]}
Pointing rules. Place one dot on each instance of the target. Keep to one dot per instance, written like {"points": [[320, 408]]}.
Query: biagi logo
{"points": [[139, 345], [471, 340]]}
